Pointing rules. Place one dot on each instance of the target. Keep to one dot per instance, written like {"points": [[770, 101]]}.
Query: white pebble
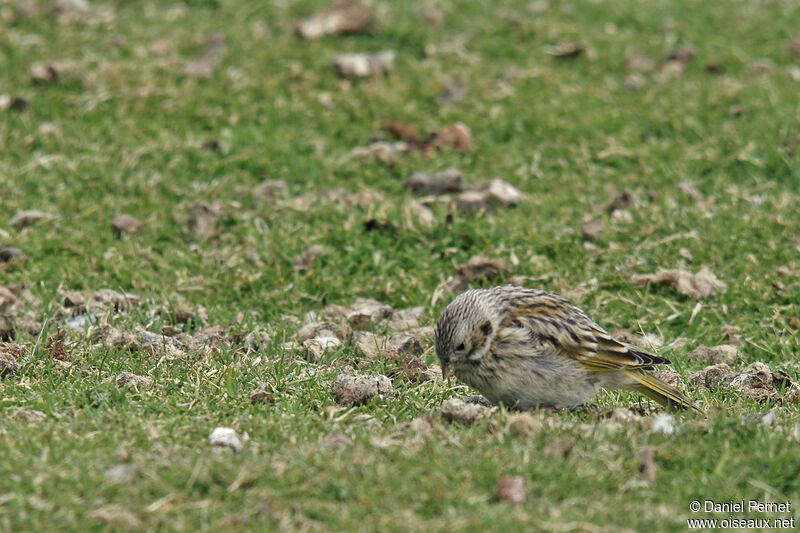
{"points": [[223, 437]]}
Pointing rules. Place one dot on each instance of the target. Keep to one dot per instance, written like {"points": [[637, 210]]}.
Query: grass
{"points": [[124, 131]]}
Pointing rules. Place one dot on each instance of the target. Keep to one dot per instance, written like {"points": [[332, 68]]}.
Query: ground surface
{"points": [[177, 114]]}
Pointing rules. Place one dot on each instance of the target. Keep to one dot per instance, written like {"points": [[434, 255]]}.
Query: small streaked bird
{"points": [[529, 348]]}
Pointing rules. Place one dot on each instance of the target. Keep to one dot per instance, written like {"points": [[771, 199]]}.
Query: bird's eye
{"points": [[460, 347]]}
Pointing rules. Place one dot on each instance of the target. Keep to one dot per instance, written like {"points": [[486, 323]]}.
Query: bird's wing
{"points": [[550, 319]]}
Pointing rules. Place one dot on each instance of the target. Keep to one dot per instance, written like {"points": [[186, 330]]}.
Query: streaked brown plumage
{"points": [[528, 348]]}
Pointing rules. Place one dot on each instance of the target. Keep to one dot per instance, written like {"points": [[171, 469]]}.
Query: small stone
{"points": [[367, 344], [383, 152], [8, 365], [366, 311], [504, 192], [402, 131], [351, 389], [256, 341], [125, 223], [31, 217], [756, 376], [481, 267], [793, 396], [723, 353], [49, 73], [566, 49], [711, 377], [202, 220], [670, 377], [260, 395], [98, 301], [343, 17], [316, 329], [700, 285], [223, 438], [511, 489], [471, 202], [450, 180], [782, 380], [360, 65], [416, 211], [477, 399], [592, 230], [409, 371], [464, 413], [432, 373], [111, 336], [314, 349], [403, 319], [128, 379], [401, 344], [9, 253], [455, 136]]}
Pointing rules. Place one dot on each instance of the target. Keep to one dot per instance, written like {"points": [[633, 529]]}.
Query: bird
{"points": [[528, 348]]}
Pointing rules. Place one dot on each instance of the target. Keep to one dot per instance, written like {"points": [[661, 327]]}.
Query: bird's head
{"points": [[465, 331]]}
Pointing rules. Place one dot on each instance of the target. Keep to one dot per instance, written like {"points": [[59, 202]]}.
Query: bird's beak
{"points": [[446, 367]]}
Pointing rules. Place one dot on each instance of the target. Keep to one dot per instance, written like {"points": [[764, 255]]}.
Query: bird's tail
{"points": [[657, 390]]}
